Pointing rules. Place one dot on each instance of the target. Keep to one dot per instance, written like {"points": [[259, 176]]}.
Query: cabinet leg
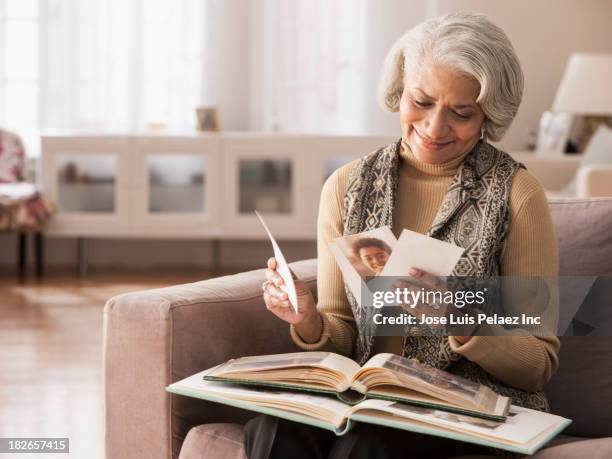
{"points": [[22, 254], [39, 250], [81, 257], [216, 256]]}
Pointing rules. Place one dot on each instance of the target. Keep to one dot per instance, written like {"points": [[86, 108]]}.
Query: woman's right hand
{"points": [[307, 321]]}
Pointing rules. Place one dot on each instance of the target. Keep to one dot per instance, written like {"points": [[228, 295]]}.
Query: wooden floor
{"points": [[51, 355]]}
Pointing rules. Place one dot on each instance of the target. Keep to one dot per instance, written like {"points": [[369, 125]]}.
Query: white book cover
{"points": [[282, 267]]}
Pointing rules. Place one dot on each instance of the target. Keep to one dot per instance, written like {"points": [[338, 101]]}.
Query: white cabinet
{"points": [[88, 179], [175, 189], [268, 175], [192, 185]]}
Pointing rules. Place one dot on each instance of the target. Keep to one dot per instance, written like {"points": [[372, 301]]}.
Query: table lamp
{"points": [[586, 90]]}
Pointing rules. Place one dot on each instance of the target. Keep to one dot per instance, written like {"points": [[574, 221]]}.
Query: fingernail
{"points": [[413, 271]]}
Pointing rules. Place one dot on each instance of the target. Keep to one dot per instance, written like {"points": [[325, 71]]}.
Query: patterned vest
{"points": [[473, 215]]}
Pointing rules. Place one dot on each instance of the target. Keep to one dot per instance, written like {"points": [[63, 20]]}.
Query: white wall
{"points": [[229, 64], [544, 34], [387, 20]]}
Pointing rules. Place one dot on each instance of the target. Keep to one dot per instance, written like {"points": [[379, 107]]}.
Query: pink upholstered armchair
{"points": [[23, 209]]}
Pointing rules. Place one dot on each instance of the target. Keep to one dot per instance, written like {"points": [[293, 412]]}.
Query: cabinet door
{"points": [[268, 175], [87, 177], [329, 154], [176, 186]]}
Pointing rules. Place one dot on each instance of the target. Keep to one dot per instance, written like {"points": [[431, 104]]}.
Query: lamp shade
{"points": [[586, 87]]}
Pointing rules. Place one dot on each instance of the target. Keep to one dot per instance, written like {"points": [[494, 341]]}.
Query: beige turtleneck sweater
{"points": [[525, 362]]}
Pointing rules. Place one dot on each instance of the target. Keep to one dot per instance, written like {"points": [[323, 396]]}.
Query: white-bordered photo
{"points": [[362, 256], [368, 252], [554, 132]]}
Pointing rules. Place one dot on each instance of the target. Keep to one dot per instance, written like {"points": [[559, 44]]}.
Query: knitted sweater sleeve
{"points": [[339, 330], [525, 362]]}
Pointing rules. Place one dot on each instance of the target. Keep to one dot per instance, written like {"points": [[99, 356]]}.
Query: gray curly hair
{"points": [[467, 42]]}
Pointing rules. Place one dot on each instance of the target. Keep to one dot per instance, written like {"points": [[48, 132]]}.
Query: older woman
{"points": [[457, 84]]}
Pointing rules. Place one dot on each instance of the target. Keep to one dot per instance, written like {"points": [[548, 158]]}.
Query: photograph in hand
{"points": [[369, 260], [368, 252]]}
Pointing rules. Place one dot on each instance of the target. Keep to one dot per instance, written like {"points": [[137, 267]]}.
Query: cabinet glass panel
{"points": [[176, 183], [331, 164], [265, 185], [87, 182]]}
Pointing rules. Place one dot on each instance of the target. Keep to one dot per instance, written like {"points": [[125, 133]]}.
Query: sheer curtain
{"points": [[131, 65], [314, 58], [121, 65], [19, 70]]}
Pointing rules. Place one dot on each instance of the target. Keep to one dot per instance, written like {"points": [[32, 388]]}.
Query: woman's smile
{"points": [[430, 144]]}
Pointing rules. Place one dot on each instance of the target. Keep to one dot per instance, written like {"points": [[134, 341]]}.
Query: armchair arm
{"points": [[594, 181], [553, 171], [153, 338]]}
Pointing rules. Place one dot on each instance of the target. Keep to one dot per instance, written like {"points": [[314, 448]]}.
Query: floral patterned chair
{"points": [[23, 208]]}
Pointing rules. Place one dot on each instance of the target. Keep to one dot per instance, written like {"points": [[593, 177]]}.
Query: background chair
{"points": [[556, 173], [23, 209], [153, 338]]}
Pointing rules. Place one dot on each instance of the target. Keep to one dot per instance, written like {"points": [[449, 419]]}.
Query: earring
{"points": [[482, 132]]}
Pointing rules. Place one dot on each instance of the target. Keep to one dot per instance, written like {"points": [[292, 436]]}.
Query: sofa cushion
{"points": [[584, 233], [214, 441], [600, 448], [583, 383], [582, 387]]}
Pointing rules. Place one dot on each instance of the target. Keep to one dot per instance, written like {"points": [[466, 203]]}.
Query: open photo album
{"points": [[332, 392], [384, 376]]}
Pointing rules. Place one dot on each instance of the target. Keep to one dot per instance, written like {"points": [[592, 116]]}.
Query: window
{"points": [[122, 65], [19, 69], [314, 57]]}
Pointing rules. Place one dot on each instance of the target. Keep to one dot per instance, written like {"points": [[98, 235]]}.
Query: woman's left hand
{"points": [[432, 283], [427, 283]]}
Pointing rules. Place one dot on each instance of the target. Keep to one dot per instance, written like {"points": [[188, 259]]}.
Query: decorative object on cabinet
{"points": [[554, 131], [208, 119]]}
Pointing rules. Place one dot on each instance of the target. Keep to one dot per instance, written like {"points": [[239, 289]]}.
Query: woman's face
{"points": [[374, 258], [439, 114]]}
